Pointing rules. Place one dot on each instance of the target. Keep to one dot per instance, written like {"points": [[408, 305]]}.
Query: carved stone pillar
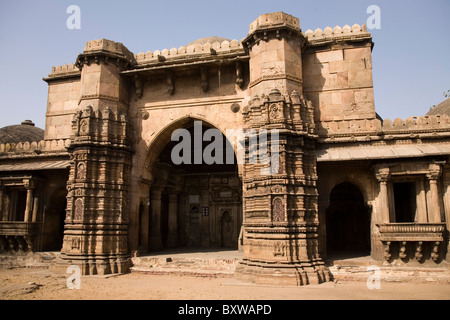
{"points": [[1, 203], [172, 237], [446, 191], [155, 232], [280, 199], [37, 196], [6, 205], [383, 178], [434, 207], [29, 185], [96, 225], [206, 232], [421, 200]]}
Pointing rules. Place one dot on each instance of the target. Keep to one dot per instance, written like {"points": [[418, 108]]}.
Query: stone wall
{"points": [[337, 73], [63, 100]]}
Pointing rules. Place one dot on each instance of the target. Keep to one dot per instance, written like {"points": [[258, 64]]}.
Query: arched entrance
{"points": [[196, 193], [347, 222]]}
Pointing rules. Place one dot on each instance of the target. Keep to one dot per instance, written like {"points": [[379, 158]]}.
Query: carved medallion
{"points": [[235, 107], [274, 111]]}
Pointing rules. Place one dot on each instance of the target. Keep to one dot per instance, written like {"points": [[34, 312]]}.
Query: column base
{"points": [[289, 274], [95, 265]]}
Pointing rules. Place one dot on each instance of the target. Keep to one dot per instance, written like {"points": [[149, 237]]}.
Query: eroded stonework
{"points": [[103, 185]]}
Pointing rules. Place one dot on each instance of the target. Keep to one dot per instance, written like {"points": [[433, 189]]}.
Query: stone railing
{"points": [[387, 126], [194, 49], [412, 231], [35, 146], [412, 236], [319, 35], [17, 236]]}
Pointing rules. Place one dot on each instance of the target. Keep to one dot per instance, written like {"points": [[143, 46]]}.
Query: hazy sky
{"points": [[411, 65]]}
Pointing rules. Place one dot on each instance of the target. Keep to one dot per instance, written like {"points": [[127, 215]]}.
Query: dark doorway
{"points": [[347, 222], [405, 201], [55, 214], [226, 230]]}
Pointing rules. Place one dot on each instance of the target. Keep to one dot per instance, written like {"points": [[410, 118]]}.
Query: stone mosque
{"points": [[99, 184]]}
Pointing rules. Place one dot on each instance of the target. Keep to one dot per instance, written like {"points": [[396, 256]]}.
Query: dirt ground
{"points": [[42, 284]]}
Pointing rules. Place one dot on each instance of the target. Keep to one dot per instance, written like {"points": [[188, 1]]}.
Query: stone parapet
{"points": [[64, 71], [35, 146], [104, 45], [189, 51], [355, 32], [354, 127], [274, 20]]}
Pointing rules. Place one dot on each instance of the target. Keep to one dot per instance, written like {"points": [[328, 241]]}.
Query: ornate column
{"points": [[172, 237], [155, 232], [6, 205], [434, 206], [383, 176], [204, 216], [37, 196], [446, 190], [96, 226], [29, 185], [280, 197], [421, 200], [1, 203]]}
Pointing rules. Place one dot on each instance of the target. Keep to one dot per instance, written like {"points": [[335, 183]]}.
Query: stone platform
{"points": [[192, 262], [222, 264], [29, 260], [362, 267]]}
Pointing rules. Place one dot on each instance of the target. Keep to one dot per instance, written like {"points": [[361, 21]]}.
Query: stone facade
{"points": [[339, 179]]}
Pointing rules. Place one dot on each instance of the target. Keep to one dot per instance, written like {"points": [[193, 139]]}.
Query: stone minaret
{"points": [[280, 197], [95, 236]]}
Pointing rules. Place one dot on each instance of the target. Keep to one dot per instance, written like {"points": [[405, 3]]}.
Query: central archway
{"points": [[194, 204]]}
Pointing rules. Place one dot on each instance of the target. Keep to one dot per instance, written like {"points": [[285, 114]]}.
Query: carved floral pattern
{"points": [[278, 209], [78, 209]]}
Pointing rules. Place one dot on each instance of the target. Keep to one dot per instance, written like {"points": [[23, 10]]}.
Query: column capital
{"points": [[173, 196], [383, 174], [29, 184], [435, 170], [156, 191]]}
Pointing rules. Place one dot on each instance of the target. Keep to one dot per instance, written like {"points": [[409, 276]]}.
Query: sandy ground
{"points": [[42, 284]]}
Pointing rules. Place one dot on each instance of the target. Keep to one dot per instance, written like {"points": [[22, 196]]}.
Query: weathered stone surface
{"points": [[336, 179]]}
